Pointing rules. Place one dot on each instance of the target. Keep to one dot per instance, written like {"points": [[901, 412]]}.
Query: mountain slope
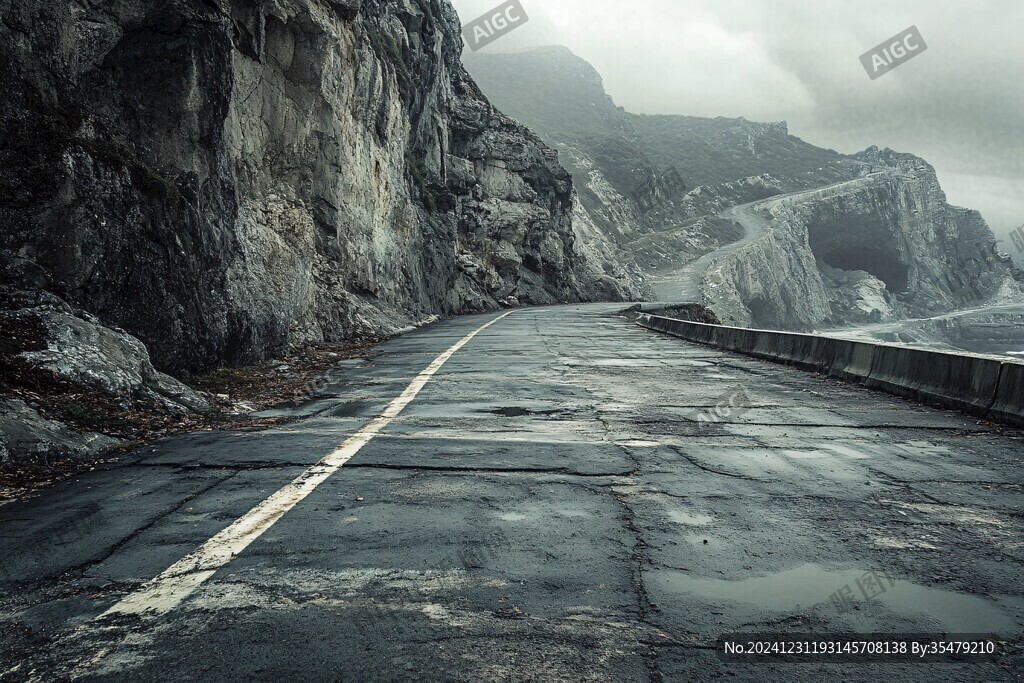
{"points": [[882, 244], [562, 98], [228, 180], [654, 185], [722, 150]]}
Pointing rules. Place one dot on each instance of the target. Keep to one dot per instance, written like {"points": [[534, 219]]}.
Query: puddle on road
{"points": [[808, 585], [536, 513], [511, 517], [520, 411], [351, 409], [626, 363], [638, 443], [689, 518]]}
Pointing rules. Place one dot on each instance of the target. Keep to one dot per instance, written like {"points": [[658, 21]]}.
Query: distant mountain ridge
{"points": [[619, 161], [561, 97], [887, 247]]}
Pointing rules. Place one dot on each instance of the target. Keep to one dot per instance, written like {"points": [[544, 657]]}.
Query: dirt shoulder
{"points": [[233, 395]]}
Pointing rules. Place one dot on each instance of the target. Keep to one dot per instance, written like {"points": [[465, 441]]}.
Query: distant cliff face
{"points": [[881, 243], [223, 179], [883, 246], [562, 98], [624, 165]]}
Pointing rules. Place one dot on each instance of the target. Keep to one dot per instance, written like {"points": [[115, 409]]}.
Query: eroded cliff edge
{"points": [[225, 179], [883, 246]]}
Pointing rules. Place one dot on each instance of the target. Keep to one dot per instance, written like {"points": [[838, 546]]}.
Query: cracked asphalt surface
{"points": [[550, 507]]}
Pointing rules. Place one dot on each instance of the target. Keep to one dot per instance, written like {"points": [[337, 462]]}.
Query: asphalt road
{"points": [[550, 506], [992, 329], [684, 284]]}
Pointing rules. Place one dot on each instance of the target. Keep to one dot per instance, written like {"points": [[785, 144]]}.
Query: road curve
{"points": [[551, 504], [683, 285]]}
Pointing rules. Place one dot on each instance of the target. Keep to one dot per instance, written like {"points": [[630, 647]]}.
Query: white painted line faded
{"points": [[181, 579]]}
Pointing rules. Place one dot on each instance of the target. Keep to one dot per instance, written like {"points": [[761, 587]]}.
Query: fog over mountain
{"points": [[827, 239], [957, 105]]}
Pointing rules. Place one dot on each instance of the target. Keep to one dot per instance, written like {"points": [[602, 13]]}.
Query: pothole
{"points": [[810, 586], [519, 411]]}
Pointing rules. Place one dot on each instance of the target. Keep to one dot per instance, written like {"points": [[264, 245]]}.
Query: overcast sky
{"points": [[959, 104]]}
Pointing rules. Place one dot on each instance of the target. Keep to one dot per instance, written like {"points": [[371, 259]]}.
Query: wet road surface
{"points": [[560, 501]]}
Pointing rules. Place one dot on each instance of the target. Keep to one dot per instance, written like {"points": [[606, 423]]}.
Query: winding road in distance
{"points": [[683, 285]]}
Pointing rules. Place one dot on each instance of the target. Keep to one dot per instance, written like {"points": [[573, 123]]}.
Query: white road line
{"points": [[181, 579]]}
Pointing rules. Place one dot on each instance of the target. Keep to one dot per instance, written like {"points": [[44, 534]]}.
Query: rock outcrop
{"points": [[652, 184], [224, 179], [26, 436], [60, 365], [886, 245]]}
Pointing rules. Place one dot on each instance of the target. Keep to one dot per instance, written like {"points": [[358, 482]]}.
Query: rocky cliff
{"points": [[652, 184], [884, 246], [225, 178], [850, 239], [562, 98]]}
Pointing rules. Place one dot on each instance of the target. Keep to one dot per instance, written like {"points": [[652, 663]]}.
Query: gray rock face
{"points": [[56, 355], [227, 179], [76, 348], [24, 433], [883, 246]]}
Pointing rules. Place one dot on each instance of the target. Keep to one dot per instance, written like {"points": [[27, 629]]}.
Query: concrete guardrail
{"points": [[979, 386]]}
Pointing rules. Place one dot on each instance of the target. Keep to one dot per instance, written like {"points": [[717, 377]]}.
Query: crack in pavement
{"points": [[490, 469], [714, 471], [82, 567], [638, 553]]}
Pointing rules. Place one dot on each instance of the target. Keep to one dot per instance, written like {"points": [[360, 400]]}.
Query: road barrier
{"points": [[979, 386], [1009, 403]]}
